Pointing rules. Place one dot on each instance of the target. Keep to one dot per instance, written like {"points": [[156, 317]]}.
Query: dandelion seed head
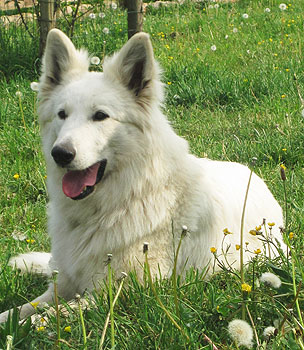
{"points": [[114, 6], [241, 332], [95, 60], [92, 15], [302, 112], [267, 10], [235, 30], [34, 86], [102, 15], [245, 15], [269, 332], [18, 93], [216, 6], [213, 48], [283, 7], [271, 279], [106, 30]]}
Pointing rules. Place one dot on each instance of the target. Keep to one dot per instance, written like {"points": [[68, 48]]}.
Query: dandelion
{"points": [[245, 15], [283, 7], [114, 6], [31, 241], [95, 60], [291, 235], [253, 232], [267, 10], [241, 332], [170, 57], [302, 113], [34, 86], [67, 329], [271, 279], [213, 250], [19, 94], [226, 36], [34, 304], [227, 232], [246, 287], [283, 96], [40, 329], [237, 247], [213, 48], [257, 251], [106, 30], [102, 15], [216, 6], [92, 15], [16, 176], [234, 30], [269, 332], [258, 228], [169, 83]]}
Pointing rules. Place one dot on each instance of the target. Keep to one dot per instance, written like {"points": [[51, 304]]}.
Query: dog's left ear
{"points": [[134, 66]]}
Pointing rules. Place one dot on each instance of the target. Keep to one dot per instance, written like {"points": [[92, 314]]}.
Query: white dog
{"points": [[118, 175]]}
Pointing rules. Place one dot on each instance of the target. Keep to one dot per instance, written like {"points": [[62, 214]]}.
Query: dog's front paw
{"points": [[4, 316]]}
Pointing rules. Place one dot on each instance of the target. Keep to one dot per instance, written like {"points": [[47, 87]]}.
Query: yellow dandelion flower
{"points": [[257, 251], [246, 288], [283, 96], [40, 329], [170, 57], [283, 167], [276, 67], [31, 241], [237, 247], [34, 304], [227, 232], [284, 149], [197, 49], [67, 329], [246, 243], [253, 232], [275, 54], [258, 228], [167, 46], [213, 250], [287, 69], [169, 83], [291, 235], [16, 176], [271, 224], [270, 40]]}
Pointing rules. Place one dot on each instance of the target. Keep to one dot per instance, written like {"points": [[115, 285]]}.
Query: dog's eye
{"points": [[99, 116], [62, 114]]}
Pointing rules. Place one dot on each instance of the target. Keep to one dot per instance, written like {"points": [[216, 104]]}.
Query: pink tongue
{"points": [[74, 182]]}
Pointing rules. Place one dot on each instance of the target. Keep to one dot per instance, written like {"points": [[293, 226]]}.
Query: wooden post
{"points": [[135, 17], [46, 21]]}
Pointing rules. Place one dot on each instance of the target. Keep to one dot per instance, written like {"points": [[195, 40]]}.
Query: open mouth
{"points": [[78, 184]]}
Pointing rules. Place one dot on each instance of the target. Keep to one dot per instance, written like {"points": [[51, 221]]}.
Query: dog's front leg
{"points": [[29, 309]]}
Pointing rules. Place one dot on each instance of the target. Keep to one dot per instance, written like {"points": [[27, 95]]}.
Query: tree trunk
{"points": [[135, 17], [46, 21]]}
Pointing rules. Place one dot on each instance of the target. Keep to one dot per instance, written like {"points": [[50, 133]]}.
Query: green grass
{"points": [[237, 102]]}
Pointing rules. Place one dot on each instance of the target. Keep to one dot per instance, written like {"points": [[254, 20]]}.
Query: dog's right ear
{"points": [[60, 59]]}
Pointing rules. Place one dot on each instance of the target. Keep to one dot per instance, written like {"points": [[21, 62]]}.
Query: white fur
{"points": [[152, 186]]}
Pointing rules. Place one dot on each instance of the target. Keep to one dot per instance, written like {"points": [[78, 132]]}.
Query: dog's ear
{"points": [[61, 58], [134, 66]]}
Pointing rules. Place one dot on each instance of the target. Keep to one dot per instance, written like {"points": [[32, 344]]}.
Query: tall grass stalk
{"points": [[55, 273], [242, 248], [108, 315], [174, 277], [167, 313], [84, 333], [111, 301], [19, 95]]}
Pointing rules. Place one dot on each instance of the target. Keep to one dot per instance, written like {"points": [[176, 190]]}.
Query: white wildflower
{"points": [[92, 15], [95, 60], [235, 30], [245, 15], [271, 279], [216, 6], [213, 48], [102, 15], [18, 93], [248, 51], [106, 30], [18, 236], [283, 7], [114, 6], [210, 7], [241, 332], [267, 9], [269, 332], [35, 86], [226, 36]]}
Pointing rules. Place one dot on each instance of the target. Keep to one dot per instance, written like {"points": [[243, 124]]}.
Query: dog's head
{"points": [[90, 121]]}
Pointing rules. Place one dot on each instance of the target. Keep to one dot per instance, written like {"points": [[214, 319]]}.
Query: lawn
{"points": [[234, 76]]}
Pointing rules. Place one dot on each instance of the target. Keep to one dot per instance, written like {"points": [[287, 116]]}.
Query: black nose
{"points": [[63, 155]]}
